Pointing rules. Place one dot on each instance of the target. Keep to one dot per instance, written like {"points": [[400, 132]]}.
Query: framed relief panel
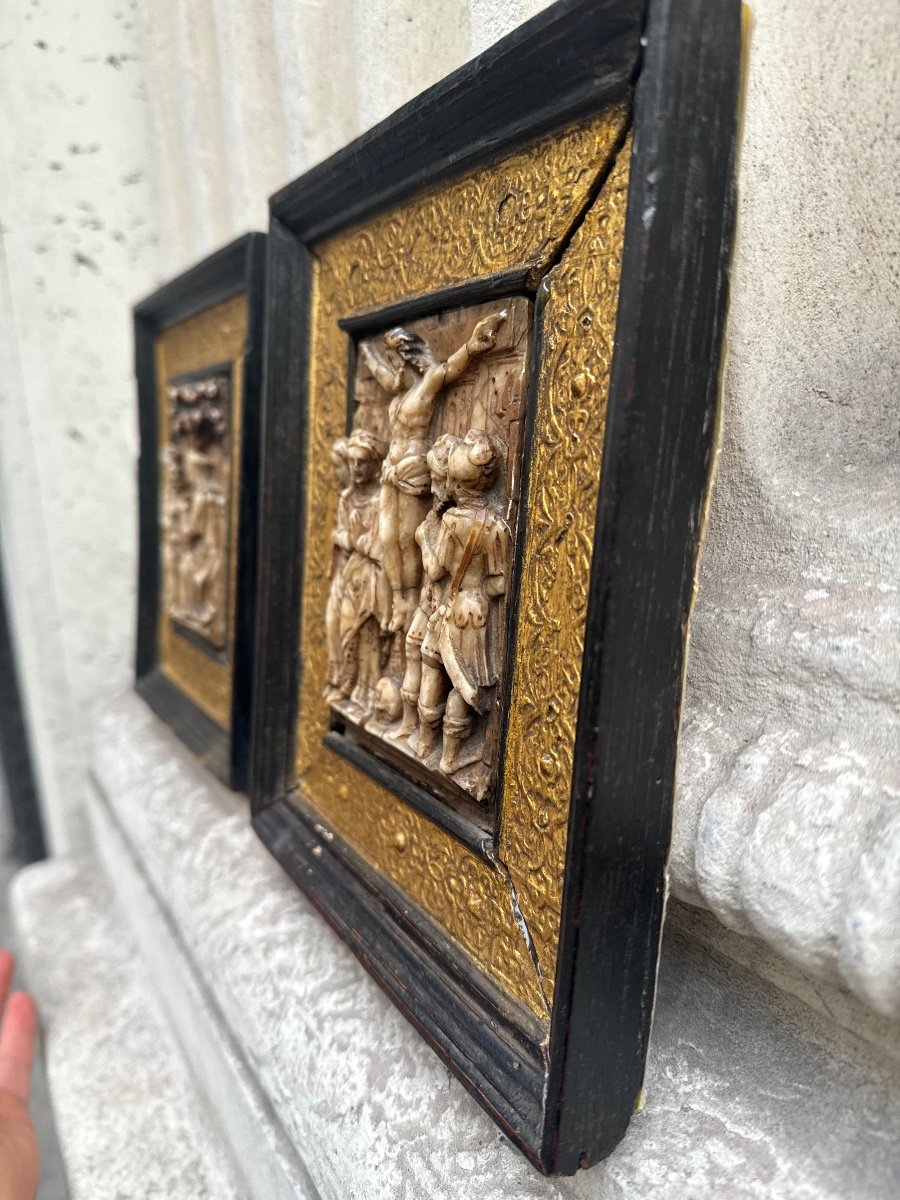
{"points": [[198, 343], [494, 330]]}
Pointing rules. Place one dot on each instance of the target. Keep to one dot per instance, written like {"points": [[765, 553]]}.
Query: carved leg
{"points": [[412, 683], [458, 722], [411, 512], [391, 556], [369, 659], [431, 708], [333, 637], [349, 666]]}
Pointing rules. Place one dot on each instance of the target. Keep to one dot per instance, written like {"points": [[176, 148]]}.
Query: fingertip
{"points": [[21, 1008], [7, 970]]}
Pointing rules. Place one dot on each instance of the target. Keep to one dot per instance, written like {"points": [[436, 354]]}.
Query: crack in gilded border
{"points": [[582, 294], [521, 210]]}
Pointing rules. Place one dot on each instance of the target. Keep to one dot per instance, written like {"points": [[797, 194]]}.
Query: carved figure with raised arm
{"points": [[462, 644], [406, 480]]}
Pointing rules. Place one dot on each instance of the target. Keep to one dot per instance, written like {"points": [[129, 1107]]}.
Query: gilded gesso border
{"points": [[530, 209], [214, 336]]}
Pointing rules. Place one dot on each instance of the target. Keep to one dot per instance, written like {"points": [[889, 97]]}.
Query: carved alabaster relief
{"points": [[196, 468], [421, 544]]}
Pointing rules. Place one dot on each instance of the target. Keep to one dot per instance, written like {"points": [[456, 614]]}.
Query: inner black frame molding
{"points": [[236, 270], [564, 1088]]}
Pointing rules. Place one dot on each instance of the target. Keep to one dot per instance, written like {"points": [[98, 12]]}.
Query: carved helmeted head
{"points": [[474, 462], [438, 460], [365, 450], [198, 413], [340, 461], [412, 349]]}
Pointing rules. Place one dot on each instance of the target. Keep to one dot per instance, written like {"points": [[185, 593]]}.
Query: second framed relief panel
{"points": [[492, 357], [198, 358]]}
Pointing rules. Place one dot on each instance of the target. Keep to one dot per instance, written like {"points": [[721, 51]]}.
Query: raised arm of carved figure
{"points": [[483, 337], [381, 369]]}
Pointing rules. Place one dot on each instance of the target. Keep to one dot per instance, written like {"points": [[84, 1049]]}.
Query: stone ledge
{"points": [[270, 1166], [787, 819], [130, 1124], [749, 1093]]}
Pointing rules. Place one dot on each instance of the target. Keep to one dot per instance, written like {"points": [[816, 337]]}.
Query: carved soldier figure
{"points": [[405, 477], [173, 534], [340, 537], [365, 608], [461, 646], [195, 508], [426, 537], [204, 563]]}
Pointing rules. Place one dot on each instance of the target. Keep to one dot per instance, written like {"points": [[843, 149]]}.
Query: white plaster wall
{"points": [[135, 137], [788, 815], [78, 246], [246, 95]]}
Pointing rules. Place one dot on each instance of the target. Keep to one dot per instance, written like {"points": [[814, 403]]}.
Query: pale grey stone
{"points": [[789, 774], [269, 1165], [78, 246], [53, 1184], [130, 1124], [786, 821], [794, 669], [749, 1093]]}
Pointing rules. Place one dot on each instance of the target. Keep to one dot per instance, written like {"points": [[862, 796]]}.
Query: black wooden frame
{"points": [[237, 268], [565, 1097], [17, 770]]}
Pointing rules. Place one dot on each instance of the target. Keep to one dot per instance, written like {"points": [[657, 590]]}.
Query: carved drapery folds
{"points": [[421, 544], [194, 517]]}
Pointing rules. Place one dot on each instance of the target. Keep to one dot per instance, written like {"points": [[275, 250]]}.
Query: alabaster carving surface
{"points": [[421, 543], [195, 465]]}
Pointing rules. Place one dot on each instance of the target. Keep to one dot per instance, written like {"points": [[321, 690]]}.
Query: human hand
{"points": [[485, 333], [19, 1156], [400, 614]]}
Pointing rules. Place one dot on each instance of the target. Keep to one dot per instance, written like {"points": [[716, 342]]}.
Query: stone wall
{"points": [[135, 138]]}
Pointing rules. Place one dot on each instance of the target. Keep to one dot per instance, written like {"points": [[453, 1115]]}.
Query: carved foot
{"points": [[480, 782], [409, 724], [423, 744], [448, 763]]}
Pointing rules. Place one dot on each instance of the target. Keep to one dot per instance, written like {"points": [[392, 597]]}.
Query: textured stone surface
{"points": [[135, 138], [788, 815], [270, 1167], [53, 1184], [130, 1124], [77, 246], [749, 1094], [788, 809], [794, 672]]}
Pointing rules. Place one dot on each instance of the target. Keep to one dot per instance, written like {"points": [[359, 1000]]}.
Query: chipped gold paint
{"points": [[519, 212], [214, 336]]}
